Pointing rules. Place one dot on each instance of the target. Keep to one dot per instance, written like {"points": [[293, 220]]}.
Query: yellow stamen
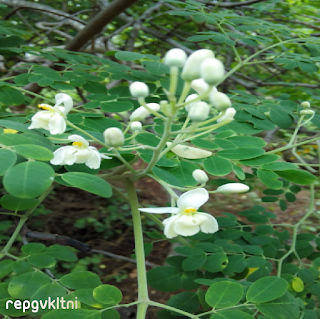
{"points": [[190, 210], [42, 106], [77, 143], [10, 131]]}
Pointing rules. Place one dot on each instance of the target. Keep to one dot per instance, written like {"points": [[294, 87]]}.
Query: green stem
{"points": [[280, 149], [173, 80], [123, 305], [34, 94], [293, 137], [185, 91], [295, 231], [143, 296], [41, 198], [125, 163]]}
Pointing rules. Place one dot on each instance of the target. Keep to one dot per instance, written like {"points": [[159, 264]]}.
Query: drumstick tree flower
{"points": [[53, 118], [78, 153], [186, 220]]}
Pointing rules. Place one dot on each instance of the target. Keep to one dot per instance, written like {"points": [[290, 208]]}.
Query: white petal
{"points": [[82, 155], [66, 100], [59, 155], [169, 226], [105, 156], [208, 224], [186, 225], [94, 161], [57, 124], [193, 199], [69, 156], [78, 138], [160, 210]]}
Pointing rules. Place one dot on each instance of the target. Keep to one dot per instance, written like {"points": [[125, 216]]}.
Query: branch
{"points": [[67, 241], [232, 4], [97, 23]]}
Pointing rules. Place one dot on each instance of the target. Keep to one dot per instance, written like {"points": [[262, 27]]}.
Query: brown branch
{"points": [[96, 25], [231, 4]]}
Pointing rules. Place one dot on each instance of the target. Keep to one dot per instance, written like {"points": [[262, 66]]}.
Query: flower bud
{"points": [[113, 136], [141, 112], [212, 71], [189, 152], [200, 86], [232, 188], [219, 100], [191, 69], [307, 112], [190, 98], [136, 126], [175, 58], [305, 104], [228, 116], [200, 176], [199, 112], [139, 89]]}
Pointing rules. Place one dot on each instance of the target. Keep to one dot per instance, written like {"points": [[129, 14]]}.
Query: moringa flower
{"points": [[53, 118], [232, 188], [187, 221], [79, 152]]}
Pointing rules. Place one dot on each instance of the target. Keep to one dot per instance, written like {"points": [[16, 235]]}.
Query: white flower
{"points": [[190, 98], [175, 58], [199, 111], [53, 118], [200, 176], [305, 104], [232, 188], [212, 71], [141, 112], [113, 136], [228, 115], [79, 152], [201, 87], [139, 89], [136, 126], [187, 221], [220, 100]]}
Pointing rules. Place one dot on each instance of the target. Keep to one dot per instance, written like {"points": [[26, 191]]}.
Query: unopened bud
{"points": [[200, 176], [190, 98], [219, 100], [175, 58], [191, 69], [199, 112], [113, 136], [139, 89], [136, 126], [200, 86], [232, 188], [141, 112], [305, 104], [307, 112], [212, 71], [228, 116]]}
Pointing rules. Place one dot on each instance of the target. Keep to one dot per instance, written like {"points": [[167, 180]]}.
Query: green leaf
{"points": [[90, 183], [116, 106], [80, 280], [107, 294], [241, 153], [199, 38], [261, 160], [308, 67], [25, 285], [167, 177], [282, 308], [13, 139], [61, 253], [217, 166], [22, 79], [269, 178], [224, 294], [86, 296], [216, 262], [34, 151], [96, 88], [231, 314], [7, 160], [187, 301], [280, 166], [239, 172], [247, 141], [5, 267], [165, 278], [14, 203], [298, 177], [236, 264], [10, 96], [280, 118], [74, 314], [34, 178], [33, 248], [101, 124], [52, 290], [128, 56], [192, 263], [202, 143], [184, 173], [267, 289], [156, 68], [42, 261]]}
